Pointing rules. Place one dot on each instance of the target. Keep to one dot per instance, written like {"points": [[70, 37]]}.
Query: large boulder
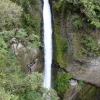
{"points": [[27, 55], [87, 71]]}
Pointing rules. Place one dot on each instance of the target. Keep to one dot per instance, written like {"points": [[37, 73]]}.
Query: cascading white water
{"points": [[47, 43]]}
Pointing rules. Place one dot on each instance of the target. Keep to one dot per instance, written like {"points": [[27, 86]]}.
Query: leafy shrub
{"points": [[11, 14], [63, 45], [90, 45], [33, 40], [77, 21], [27, 19], [33, 81], [51, 93], [7, 96], [81, 83], [31, 88], [26, 6], [88, 9], [61, 83], [3, 52]]}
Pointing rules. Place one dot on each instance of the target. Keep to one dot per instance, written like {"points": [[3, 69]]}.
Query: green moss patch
{"points": [[60, 47]]}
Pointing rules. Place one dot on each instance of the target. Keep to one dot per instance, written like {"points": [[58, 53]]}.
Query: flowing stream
{"points": [[47, 43]]}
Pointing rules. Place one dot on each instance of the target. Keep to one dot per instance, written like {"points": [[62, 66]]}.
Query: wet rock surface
{"points": [[87, 70]]}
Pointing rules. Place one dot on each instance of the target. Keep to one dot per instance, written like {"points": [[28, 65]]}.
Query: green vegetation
{"points": [[61, 83], [77, 21], [63, 45], [88, 11], [22, 36], [81, 83], [89, 92], [86, 45], [20, 87], [82, 19], [6, 96], [3, 52], [14, 84], [60, 47], [23, 14], [30, 16], [90, 45], [11, 15]]}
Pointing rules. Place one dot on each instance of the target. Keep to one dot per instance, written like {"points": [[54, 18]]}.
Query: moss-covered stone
{"points": [[88, 93], [60, 45]]}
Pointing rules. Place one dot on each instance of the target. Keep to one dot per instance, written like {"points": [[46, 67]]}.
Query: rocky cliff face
{"points": [[31, 19], [81, 57], [82, 64]]}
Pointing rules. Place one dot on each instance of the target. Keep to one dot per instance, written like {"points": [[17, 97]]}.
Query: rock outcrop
{"points": [[26, 55], [87, 71], [86, 67]]}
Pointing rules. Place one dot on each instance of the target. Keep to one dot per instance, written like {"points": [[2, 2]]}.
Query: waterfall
{"points": [[47, 44]]}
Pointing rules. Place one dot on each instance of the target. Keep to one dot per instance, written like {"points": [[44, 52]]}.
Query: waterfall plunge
{"points": [[47, 44]]}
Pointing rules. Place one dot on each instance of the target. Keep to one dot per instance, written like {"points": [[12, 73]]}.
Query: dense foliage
{"points": [[22, 36], [30, 16], [14, 84], [61, 84], [87, 11], [19, 87], [11, 14], [90, 45]]}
